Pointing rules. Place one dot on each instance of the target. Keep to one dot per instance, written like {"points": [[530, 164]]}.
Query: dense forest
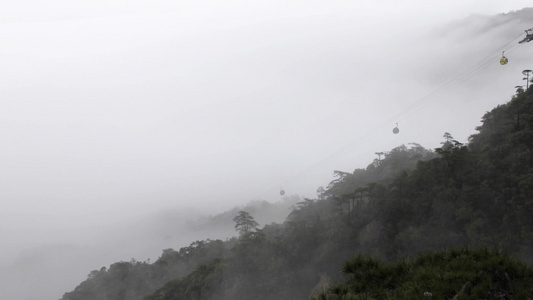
{"points": [[378, 220]]}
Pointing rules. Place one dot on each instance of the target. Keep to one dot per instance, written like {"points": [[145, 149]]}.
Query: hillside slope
{"points": [[413, 200]]}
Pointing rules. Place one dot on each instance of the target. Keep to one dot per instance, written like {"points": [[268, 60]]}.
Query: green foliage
{"points": [[199, 284], [133, 280], [123, 280], [459, 273]]}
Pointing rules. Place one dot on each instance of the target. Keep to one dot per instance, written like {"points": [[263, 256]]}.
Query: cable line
{"points": [[473, 70]]}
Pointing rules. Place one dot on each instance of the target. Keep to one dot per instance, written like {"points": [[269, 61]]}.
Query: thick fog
{"points": [[120, 119]]}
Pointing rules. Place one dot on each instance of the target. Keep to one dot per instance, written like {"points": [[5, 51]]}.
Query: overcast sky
{"points": [[113, 109]]}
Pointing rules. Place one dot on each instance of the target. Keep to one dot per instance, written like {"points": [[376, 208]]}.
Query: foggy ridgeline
{"points": [[372, 225]]}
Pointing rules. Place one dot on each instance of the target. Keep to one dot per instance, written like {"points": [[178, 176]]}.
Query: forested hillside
{"points": [[413, 200]]}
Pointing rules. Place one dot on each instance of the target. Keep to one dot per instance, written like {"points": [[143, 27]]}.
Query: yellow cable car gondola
{"points": [[503, 60]]}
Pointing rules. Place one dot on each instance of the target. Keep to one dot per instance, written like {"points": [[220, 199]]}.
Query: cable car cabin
{"points": [[281, 192], [503, 60], [396, 130]]}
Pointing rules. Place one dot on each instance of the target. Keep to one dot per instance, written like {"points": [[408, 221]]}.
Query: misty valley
{"points": [[266, 150], [450, 223]]}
